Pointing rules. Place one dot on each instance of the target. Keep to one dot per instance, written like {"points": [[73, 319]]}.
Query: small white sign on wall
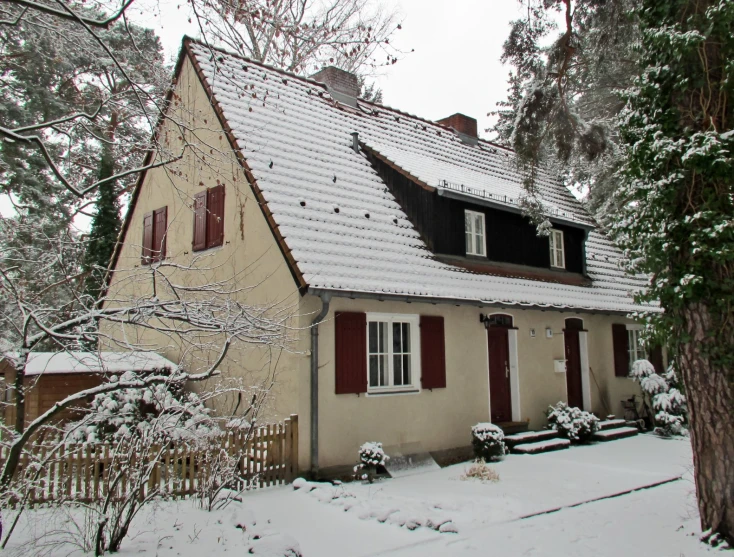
{"points": [[559, 366]]}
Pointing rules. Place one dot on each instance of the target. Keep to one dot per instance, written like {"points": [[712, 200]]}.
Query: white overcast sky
{"points": [[455, 66]]}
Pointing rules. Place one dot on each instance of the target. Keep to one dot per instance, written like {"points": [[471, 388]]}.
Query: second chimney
{"points": [[462, 124], [342, 85]]}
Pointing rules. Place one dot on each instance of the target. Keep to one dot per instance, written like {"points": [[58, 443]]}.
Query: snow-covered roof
{"points": [[297, 142], [92, 362], [485, 171]]}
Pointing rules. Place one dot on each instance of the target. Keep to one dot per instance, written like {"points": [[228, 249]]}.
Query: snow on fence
{"points": [[56, 471]]}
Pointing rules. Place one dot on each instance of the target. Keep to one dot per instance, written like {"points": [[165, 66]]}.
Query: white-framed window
{"points": [[635, 347], [557, 256], [474, 233], [393, 352]]}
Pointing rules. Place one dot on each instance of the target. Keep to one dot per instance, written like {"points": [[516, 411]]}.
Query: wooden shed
{"points": [[52, 376]]}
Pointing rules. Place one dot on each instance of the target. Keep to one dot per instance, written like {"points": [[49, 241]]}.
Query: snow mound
{"points": [[399, 511]]}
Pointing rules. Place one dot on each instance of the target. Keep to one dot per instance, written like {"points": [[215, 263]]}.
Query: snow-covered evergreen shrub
{"points": [[371, 455], [663, 396], [176, 413], [488, 441], [572, 422]]}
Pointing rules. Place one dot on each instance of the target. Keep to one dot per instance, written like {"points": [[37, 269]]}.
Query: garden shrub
{"points": [[572, 423], [488, 441]]}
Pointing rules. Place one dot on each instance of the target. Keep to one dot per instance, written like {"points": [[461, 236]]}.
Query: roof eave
{"points": [[384, 296]]}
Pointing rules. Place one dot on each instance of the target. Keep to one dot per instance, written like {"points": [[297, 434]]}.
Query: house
{"points": [[432, 303], [52, 376]]}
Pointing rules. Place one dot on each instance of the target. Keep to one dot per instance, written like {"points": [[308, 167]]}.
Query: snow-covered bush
{"points": [[661, 393], [371, 455], [572, 422], [488, 441], [177, 414]]}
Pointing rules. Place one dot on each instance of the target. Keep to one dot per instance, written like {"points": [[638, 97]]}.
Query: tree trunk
{"points": [[20, 392], [710, 396]]}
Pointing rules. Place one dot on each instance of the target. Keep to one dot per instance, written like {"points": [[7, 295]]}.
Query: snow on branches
{"points": [[669, 404]]}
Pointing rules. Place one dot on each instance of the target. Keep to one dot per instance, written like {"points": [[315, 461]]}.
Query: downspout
{"points": [[325, 300]]}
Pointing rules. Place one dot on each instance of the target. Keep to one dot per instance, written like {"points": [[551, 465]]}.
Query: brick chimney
{"points": [[462, 124], [342, 85]]}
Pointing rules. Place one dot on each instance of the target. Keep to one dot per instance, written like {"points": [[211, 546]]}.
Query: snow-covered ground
{"points": [[403, 517]]}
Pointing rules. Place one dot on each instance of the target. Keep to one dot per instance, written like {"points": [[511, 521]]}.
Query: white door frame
{"points": [[514, 375], [514, 370], [585, 374]]}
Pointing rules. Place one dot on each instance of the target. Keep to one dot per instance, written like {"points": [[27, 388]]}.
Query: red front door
{"points": [[573, 369], [499, 375]]}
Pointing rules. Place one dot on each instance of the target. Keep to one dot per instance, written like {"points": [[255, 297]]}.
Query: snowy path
{"points": [[656, 522]]}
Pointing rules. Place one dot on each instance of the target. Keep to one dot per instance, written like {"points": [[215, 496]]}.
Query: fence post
{"points": [[293, 464]]}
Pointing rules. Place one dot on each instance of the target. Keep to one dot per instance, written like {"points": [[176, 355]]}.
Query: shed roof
{"points": [[44, 363]]}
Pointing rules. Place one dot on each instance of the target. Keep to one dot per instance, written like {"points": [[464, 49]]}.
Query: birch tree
{"points": [[302, 36]]}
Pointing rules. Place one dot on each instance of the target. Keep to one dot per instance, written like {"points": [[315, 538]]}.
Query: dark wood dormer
{"points": [[513, 247]]}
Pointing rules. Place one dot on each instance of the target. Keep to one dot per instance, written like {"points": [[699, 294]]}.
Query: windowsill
{"points": [[482, 265], [207, 250], [394, 391]]}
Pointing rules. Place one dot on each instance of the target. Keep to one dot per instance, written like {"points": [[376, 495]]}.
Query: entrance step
{"points": [[529, 437], [510, 428], [615, 433], [611, 424], [542, 446]]}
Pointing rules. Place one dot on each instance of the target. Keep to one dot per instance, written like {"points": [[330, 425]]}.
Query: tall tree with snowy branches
{"points": [[640, 91], [677, 220]]}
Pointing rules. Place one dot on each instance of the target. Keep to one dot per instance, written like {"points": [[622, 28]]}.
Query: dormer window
{"points": [[474, 233], [557, 257]]}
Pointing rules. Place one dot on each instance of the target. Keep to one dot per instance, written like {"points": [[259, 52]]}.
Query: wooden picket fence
{"points": [[86, 472]]}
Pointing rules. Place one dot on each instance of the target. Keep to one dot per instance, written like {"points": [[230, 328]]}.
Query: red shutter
{"points": [[351, 353], [147, 238], [199, 242], [621, 350], [215, 218], [159, 234], [433, 353], [656, 359]]}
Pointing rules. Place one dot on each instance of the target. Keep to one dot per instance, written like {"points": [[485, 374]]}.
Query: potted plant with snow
{"points": [[488, 441], [371, 455]]}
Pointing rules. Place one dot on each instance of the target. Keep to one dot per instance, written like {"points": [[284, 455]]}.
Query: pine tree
{"points": [[105, 228], [678, 219]]}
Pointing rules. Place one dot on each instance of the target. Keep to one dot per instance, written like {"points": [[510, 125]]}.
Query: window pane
{"points": [[373, 337], [480, 245], [406, 370], [383, 337], [478, 224], [397, 362], [383, 370], [467, 222], [396, 340], [468, 242], [406, 337], [374, 371]]}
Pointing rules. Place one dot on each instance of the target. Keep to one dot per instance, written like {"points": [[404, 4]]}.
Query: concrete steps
{"points": [[610, 434], [534, 442], [541, 446], [611, 424], [529, 437]]}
